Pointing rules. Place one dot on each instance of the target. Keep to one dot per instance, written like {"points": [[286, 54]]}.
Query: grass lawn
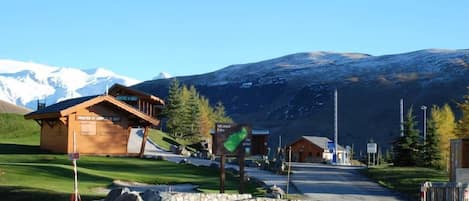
{"points": [[26, 173], [165, 141], [406, 180]]}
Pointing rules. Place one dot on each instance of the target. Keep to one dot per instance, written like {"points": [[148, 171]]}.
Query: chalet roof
{"points": [[57, 107], [321, 142], [136, 92], [66, 107]]}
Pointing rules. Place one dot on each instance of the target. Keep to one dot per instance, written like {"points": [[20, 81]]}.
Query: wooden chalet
{"points": [[312, 149], [101, 124]]}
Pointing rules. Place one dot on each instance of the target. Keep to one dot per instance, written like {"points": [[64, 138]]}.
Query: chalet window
{"points": [[127, 98]]}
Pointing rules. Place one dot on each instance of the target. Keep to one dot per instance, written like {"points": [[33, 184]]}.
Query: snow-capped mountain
{"points": [[23, 83], [330, 66], [162, 75], [292, 95]]}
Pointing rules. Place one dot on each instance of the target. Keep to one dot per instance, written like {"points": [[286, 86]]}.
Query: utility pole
{"points": [[424, 108], [289, 170], [335, 125], [402, 117]]}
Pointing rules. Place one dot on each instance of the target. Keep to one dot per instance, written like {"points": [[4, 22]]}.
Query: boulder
{"points": [[114, 193], [183, 161], [129, 196], [276, 192], [150, 195]]}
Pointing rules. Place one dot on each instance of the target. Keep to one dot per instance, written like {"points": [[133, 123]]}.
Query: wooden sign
{"points": [[230, 139], [74, 156]]}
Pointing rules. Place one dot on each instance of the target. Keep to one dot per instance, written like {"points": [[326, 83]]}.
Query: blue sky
{"points": [[142, 38]]}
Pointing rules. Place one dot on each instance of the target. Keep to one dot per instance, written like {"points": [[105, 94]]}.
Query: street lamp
{"points": [[424, 108]]}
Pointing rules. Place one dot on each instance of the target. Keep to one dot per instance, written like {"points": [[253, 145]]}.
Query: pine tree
{"points": [[185, 115], [220, 115], [407, 147], [190, 115], [174, 109], [463, 124], [193, 106], [445, 127], [431, 148]]}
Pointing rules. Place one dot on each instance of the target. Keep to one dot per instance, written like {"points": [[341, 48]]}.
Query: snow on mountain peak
{"points": [[22, 83], [162, 75], [327, 66], [100, 72]]}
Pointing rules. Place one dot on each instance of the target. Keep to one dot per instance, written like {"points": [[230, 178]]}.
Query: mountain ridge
{"points": [[292, 95], [6, 107]]}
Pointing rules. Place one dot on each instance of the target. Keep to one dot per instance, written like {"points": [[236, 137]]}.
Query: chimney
{"points": [[41, 105]]}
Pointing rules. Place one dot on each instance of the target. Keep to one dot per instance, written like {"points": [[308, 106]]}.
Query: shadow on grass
{"points": [[18, 193], [170, 141], [20, 149]]}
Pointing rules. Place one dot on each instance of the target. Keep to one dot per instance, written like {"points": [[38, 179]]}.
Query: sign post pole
{"points": [[222, 173], [241, 172], [75, 172], [289, 170]]}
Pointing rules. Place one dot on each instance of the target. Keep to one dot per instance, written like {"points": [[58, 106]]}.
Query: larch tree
{"points": [[445, 127], [463, 124]]}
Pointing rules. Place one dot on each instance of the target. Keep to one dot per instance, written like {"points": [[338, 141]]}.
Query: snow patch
{"points": [[23, 83]]}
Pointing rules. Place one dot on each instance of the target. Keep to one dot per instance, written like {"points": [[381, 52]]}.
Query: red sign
{"points": [[74, 156]]}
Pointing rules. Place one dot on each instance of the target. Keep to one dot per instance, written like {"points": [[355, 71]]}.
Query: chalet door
{"points": [[301, 157], [135, 140]]}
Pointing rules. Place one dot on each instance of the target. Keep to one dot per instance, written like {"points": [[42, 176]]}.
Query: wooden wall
{"points": [[99, 136], [54, 136], [305, 151]]}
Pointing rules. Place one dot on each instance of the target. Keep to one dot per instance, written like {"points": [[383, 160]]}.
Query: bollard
{"points": [[466, 194], [73, 198], [423, 192]]}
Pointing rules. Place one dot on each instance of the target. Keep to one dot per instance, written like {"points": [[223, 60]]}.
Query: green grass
{"points": [[406, 180], [15, 129], [26, 173], [164, 140]]}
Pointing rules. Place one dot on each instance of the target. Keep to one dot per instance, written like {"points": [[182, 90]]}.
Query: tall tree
{"points": [[205, 121], [407, 147], [193, 105], [185, 115], [463, 123], [189, 114], [445, 127], [431, 148], [174, 109], [220, 114]]}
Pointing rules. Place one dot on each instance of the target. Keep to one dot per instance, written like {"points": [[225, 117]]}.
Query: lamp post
{"points": [[424, 108]]}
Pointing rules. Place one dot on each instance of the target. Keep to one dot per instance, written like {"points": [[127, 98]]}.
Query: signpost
{"points": [[232, 140], [372, 149], [74, 157]]}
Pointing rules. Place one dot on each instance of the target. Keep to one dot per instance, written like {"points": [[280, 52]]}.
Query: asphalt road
{"points": [[334, 183]]}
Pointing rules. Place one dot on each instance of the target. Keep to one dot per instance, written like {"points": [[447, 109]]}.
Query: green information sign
{"points": [[229, 139], [235, 139]]}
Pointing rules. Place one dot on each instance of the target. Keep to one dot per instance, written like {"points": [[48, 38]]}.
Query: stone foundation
{"points": [[168, 196]]}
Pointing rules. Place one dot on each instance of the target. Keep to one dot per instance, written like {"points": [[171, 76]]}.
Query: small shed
{"points": [[312, 149], [101, 125]]}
